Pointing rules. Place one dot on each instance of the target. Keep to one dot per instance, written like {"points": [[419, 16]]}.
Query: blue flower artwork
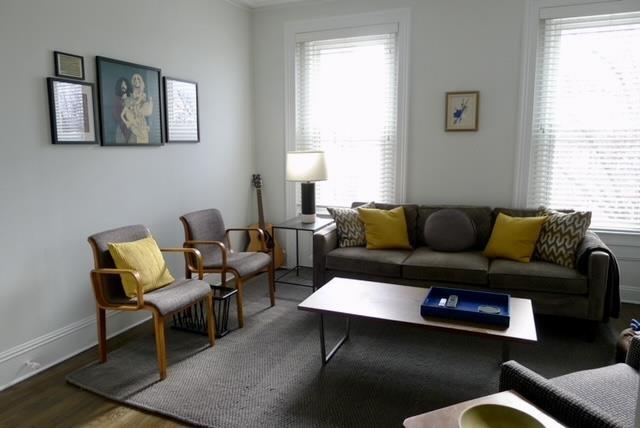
{"points": [[458, 112], [461, 111]]}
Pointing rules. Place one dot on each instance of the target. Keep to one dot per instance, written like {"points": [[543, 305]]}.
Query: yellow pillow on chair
{"points": [[145, 257], [385, 229], [514, 238]]}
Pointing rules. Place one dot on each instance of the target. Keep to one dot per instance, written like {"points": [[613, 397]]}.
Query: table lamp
{"points": [[307, 168]]}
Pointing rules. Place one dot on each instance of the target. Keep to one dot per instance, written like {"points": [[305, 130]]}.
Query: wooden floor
{"points": [[46, 400]]}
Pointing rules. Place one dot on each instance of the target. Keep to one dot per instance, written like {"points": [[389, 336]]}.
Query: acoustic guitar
{"points": [[255, 244]]}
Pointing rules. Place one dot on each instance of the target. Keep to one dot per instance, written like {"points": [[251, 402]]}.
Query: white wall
{"points": [[455, 45], [53, 197]]}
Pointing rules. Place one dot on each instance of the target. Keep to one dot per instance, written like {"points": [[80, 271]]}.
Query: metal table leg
{"points": [[323, 350], [505, 351]]}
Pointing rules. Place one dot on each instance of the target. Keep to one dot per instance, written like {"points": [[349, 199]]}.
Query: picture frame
{"points": [[68, 65], [72, 111], [182, 120], [130, 103], [461, 111]]}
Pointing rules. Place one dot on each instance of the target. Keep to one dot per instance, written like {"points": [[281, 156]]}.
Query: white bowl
{"points": [[496, 416]]}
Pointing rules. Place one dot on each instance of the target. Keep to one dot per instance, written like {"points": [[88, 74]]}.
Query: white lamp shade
{"points": [[306, 166]]}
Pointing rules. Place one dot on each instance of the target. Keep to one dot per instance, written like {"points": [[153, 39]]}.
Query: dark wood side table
{"points": [[296, 224]]}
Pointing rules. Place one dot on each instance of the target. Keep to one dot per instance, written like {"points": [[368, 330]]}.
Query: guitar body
{"points": [[255, 244]]}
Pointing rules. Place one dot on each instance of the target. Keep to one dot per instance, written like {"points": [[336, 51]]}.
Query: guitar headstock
{"points": [[257, 181]]}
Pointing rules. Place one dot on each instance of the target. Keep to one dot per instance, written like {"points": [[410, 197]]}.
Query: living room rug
{"points": [[269, 374]]}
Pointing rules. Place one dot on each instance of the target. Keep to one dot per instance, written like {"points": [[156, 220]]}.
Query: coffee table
{"points": [[447, 417], [400, 303]]}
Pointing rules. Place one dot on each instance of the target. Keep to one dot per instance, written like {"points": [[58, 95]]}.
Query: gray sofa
{"points": [[553, 289]]}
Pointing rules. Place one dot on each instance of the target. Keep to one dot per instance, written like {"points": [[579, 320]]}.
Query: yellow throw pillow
{"points": [[514, 238], [145, 257], [385, 229]]}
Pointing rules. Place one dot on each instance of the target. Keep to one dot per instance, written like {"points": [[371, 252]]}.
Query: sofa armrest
{"points": [[324, 241], [562, 405], [598, 273], [633, 355]]}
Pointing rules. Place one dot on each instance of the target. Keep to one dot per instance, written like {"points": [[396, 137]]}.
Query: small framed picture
{"points": [[71, 111], [68, 65], [462, 111], [181, 111], [130, 103]]}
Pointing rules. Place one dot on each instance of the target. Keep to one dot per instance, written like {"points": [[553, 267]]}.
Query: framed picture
{"points": [[130, 103], [71, 111], [462, 111], [68, 65], [181, 111]]}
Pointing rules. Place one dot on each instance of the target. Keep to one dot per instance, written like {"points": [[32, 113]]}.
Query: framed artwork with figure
{"points": [[130, 103], [462, 111]]}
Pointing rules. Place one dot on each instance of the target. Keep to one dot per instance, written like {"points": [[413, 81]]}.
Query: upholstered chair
{"points": [[205, 230], [604, 397], [161, 302]]}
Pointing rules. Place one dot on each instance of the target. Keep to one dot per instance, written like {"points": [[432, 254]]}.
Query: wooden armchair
{"points": [[164, 301], [204, 230]]}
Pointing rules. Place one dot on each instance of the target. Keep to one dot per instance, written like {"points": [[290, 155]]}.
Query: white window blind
{"points": [[346, 105], [586, 125]]}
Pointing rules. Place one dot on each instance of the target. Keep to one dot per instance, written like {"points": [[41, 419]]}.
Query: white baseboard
{"points": [[52, 348], [629, 294]]}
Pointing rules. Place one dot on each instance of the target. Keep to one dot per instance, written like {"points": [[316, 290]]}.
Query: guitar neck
{"points": [[260, 209]]}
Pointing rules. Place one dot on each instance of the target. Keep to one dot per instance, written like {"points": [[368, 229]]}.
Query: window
{"points": [[585, 146], [346, 104]]}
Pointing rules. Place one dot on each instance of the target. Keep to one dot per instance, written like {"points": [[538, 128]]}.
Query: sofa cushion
{"points": [[466, 267], [536, 276], [560, 237], [361, 260], [481, 217], [385, 229], [350, 229], [514, 238], [450, 230], [410, 215]]}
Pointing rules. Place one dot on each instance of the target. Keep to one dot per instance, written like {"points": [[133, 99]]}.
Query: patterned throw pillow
{"points": [[350, 229], [561, 235]]}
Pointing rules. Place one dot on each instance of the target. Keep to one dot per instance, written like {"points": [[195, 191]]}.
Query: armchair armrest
{"points": [[633, 356], [324, 240], [563, 405], [260, 232], [196, 254], [96, 275], [192, 244]]}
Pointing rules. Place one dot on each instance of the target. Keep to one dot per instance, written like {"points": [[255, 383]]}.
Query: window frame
{"points": [[537, 10], [293, 30]]}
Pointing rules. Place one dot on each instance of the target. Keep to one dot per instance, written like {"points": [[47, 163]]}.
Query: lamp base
{"points": [[308, 218]]}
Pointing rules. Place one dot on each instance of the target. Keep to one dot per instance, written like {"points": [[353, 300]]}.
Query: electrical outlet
{"points": [[33, 365]]}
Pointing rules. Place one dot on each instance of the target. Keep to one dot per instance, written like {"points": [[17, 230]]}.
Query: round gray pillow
{"points": [[449, 230]]}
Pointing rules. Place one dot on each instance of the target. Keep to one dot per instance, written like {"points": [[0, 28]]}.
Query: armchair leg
{"points": [[158, 323], [102, 333], [211, 322], [239, 285], [272, 285]]}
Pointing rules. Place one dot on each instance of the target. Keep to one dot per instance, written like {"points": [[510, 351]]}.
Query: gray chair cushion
{"points": [[205, 225], [467, 267], [450, 230], [536, 276], [243, 263], [361, 260], [481, 217], [100, 241], [612, 390], [177, 295]]}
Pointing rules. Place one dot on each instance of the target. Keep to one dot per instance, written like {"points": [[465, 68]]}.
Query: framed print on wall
{"points": [[68, 65], [462, 111], [181, 111], [130, 103], [71, 111]]}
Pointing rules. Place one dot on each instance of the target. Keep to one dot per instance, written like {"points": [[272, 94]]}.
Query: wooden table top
{"points": [[401, 303], [447, 417]]}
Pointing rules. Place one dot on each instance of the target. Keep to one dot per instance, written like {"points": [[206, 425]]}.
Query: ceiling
{"points": [[254, 4]]}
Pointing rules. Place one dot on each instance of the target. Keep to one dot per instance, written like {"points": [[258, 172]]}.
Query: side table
{"points": [[296, 224]]}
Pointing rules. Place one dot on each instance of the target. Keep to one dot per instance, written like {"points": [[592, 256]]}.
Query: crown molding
{"points": [[263, 4]]}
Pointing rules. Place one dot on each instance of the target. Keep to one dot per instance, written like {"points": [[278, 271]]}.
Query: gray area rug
{"points": [[269, 374]]}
